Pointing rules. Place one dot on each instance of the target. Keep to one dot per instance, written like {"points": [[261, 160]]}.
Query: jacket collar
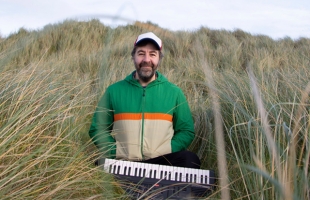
{"points": [[160, 79]]}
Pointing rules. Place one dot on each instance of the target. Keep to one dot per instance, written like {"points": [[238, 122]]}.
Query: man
{"points": [[144, 117]]}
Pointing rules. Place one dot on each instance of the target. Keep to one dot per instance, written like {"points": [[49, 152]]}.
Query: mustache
{"points": [[146, 64]]}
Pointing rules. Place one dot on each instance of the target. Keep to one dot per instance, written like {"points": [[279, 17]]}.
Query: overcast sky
{"points": [[275, 18]]}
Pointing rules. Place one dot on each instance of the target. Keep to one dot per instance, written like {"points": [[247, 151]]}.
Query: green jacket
{"points": [[135, 123]]}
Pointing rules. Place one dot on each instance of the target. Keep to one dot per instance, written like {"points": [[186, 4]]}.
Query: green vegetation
{"points": [[253, 88]]}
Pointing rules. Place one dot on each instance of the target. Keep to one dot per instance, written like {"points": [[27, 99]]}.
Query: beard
{"points": [[144, 71]]}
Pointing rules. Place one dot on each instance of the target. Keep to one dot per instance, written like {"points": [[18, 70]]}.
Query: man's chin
{"points": [[145, 79], [146, 76]]}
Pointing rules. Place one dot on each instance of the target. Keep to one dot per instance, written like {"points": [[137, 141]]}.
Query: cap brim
{"points": [[149, 40]]}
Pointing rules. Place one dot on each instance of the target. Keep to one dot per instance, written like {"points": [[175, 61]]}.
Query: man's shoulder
{"points": [[166, 82], [121, 83], [117, 85], [172, 86]]}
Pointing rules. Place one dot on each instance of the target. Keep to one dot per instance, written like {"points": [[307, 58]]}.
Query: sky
{"points": [[274, 18]]}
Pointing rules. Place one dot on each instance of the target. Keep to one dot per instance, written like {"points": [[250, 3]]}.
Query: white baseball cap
{"points": [[149, 36]]}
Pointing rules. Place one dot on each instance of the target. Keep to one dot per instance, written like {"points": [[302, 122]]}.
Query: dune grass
{"points": [[254, 94]]}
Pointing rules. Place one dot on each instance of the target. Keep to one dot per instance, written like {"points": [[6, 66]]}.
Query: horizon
{"points": [[277, 19]]}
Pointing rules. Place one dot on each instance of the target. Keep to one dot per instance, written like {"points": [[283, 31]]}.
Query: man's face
{"points": [[146, 60]]}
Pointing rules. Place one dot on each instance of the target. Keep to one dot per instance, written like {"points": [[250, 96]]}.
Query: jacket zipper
{"points": [[142, 136]]}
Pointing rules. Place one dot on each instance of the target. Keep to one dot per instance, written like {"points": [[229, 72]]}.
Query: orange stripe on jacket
{"points": [[138, 116]]}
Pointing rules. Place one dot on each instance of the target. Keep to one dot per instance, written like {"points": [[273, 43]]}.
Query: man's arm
{"points": [[183, 125], [100, 129]]}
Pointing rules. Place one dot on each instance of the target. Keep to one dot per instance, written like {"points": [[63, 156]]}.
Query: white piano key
{"points": [[140, 167], [190, 175], [170, 171], [131, 169], [155, 172], [193, 173], [113, 168], [136, 168], [205, 177], [121, 165], [179, 175], [106, 166], [162, 172], [158, 172], [196, 171], [116, 168], [109, 165], [187, 176], [176, 175], [165, 172], [183, 174], [148, 168], [199, 176], [208, 177], [125, 170]]}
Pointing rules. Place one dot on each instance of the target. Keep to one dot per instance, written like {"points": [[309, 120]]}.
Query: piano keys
{"points": [[197, 182]]}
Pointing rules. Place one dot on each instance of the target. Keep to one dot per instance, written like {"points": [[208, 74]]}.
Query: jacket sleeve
{"points": [[101, 126], [183, 125]]}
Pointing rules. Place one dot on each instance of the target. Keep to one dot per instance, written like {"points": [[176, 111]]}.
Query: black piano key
{"points": [[144, 170], [125, 170], [118, 169]]}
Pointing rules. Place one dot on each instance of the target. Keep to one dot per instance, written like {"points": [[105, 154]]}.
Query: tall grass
{"points": [[42, 154], [51, 81]]}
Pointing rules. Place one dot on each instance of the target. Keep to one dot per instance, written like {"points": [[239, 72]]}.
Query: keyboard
{"points": [[174, 181]]}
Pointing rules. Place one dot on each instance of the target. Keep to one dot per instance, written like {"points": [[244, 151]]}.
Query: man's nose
{"points": [[146, 58]]}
